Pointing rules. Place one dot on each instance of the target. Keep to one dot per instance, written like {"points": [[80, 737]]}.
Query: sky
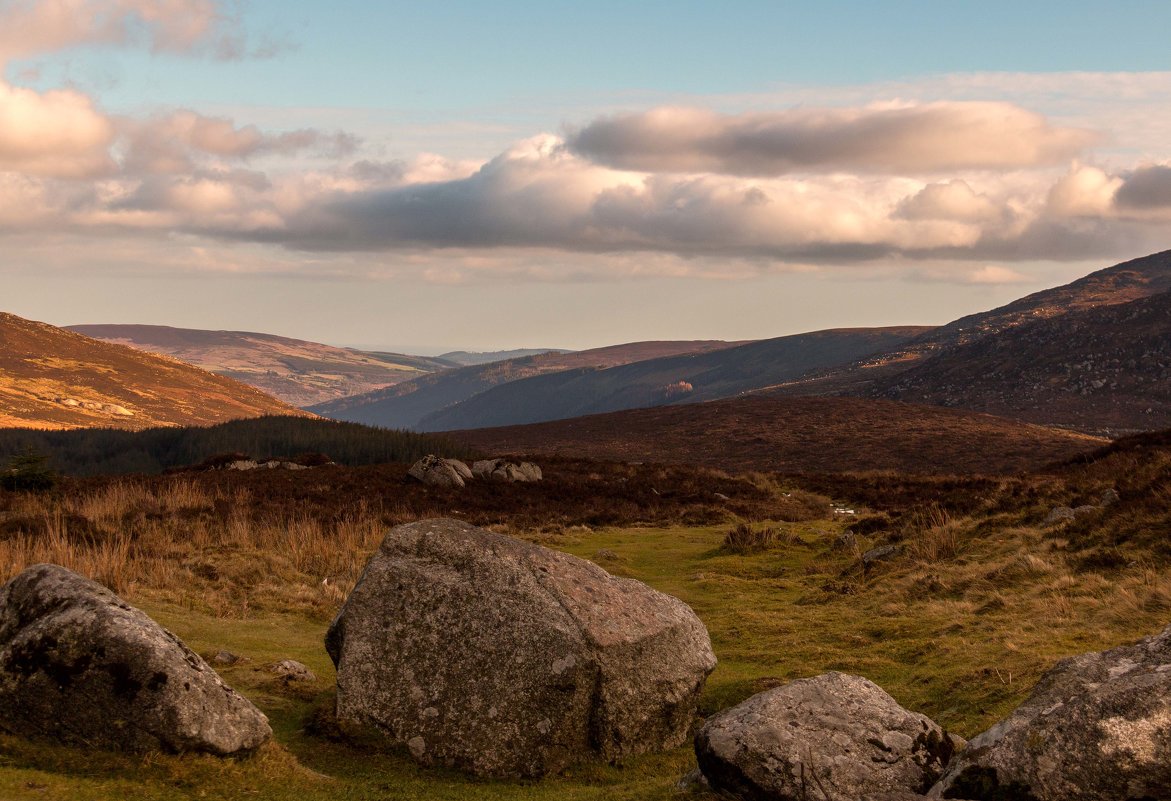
{"points": [[455, 175]]}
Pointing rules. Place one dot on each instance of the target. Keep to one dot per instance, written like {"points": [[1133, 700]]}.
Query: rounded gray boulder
{"points": [[502, 658], [79, 665], [506, 471], [438, 472], [1097, 727], [833, 737]]}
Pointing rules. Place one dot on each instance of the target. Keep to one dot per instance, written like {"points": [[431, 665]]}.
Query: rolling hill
{"points": [[405, 405], [685, 378], [296, 371], [1104, 369], [1122, 283], [795, 435], [53, 378]]}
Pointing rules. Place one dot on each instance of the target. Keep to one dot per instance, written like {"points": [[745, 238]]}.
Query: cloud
{"points": [[30, 27], [174, 142], [57, 133], [917, 138], [540, 195], [953, 200], [1084, 192], [1147, 188]]}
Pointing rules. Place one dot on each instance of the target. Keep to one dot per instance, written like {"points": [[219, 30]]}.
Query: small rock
{"points": [[291, 670], [1060, 514], [846, 541], [1109, 497], [605, 555], [721, 496], [227, 658], [880, 554]]}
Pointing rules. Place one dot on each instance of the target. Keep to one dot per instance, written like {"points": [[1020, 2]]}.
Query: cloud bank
{"points": [[913, 138], [980, 182]]}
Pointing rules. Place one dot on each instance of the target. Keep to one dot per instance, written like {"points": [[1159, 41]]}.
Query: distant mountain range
{"points": [[53, 378], [684, 378], [1093, 355], [466, 358], [796, 435], [296, 371], [406, 405]]}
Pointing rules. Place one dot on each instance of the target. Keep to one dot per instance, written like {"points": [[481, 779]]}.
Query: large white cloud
{"points": [[914, 138], [57, 133]]}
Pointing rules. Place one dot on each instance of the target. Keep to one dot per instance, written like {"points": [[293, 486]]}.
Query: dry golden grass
{"points": [[196, 545]]}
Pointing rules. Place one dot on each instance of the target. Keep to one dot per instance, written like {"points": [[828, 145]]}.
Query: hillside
{"points": [[686, 378], [1101, 369], [795, 435], [405, 405], [53, 378], [1122, 283], [296, 371]]}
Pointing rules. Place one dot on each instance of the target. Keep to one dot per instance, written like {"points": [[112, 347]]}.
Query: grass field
{"points": [[959, 625]]}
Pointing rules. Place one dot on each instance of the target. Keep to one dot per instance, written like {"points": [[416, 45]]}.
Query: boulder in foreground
{"points": [[502, 658], [79, 665], [833, 737], [1097, 727]]}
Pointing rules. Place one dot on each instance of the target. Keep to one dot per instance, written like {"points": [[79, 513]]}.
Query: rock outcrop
{"points": [[1097, 727], [834, 737], [438, 472], [504, 470], [79, 665], [502, 658]]}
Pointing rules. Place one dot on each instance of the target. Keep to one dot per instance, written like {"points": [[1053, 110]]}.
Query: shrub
{"points": [[29, 471], [744, 539]]}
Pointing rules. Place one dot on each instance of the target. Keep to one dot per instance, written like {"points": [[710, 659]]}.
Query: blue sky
{"points": [[591, 173]]}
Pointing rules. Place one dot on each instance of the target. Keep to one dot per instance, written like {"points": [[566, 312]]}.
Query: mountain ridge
{"points": [[54, 378]]}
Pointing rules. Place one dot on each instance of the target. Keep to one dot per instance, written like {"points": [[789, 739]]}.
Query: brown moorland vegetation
{"points": [[53, 378], [796, 435]]}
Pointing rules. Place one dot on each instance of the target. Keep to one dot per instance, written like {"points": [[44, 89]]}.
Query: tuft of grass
{"points": [[744, 539]]}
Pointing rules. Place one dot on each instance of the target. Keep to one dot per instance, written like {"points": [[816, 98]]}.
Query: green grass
{"points": [[961, 640]]}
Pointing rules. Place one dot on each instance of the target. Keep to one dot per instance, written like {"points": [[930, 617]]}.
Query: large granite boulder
{"points": [[506, 471], [79, 665], [1096, 726], [502, 658], [834, 737], [438, 472]]}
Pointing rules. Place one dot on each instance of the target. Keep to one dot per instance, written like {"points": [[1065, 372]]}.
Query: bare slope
{"points": [[686, 378], [53, 378], [298, 372], [796, 435], [405, 405]]}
